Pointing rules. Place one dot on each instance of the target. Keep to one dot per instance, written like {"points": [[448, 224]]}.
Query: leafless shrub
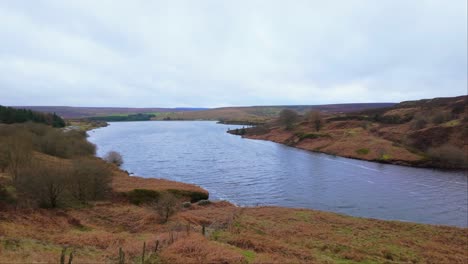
{"points": [[449, 156], [440, 118], [418, 122], [43, 183], [89, 180], [114, 157], [288, 117], [316, 118], [15, 152], [166, 206], [65, 144]]}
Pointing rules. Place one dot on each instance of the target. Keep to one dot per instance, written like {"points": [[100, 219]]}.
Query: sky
{"points": [[213, 53]]}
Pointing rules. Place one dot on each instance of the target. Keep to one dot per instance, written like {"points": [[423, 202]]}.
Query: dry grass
{"points": [[197, 249], [125, 183], [397, 141], [233, 235], [344, 138]]}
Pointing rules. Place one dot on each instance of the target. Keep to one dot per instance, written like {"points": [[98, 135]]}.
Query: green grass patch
{"points": [[386, 157], [452, 123], [303, 215], [362, 151], [249, 255], [303, 135]]}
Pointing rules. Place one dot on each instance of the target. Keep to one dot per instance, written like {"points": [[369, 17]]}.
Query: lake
{"points": [[254, 172]]}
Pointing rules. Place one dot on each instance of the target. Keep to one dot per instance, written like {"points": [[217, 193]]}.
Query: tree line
{"points": [[10, 115], [68, 174], [118, 118]]}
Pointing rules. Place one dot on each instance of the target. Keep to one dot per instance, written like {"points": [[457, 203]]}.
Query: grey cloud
{"points": [[215, 53]]}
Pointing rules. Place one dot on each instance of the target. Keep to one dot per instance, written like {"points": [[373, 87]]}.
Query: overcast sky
{"points": [[230, 53]]}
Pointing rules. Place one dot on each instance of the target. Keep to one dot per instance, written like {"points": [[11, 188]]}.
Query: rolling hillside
{"points": [[254, 114], [261, 114], [429, 132]]}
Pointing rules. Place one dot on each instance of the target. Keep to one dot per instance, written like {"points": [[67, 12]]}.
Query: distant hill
{"points": [[83, 112], [260, 114], [427, 133], [247, 113]]}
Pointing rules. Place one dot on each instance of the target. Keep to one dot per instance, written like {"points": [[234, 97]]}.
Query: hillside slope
{"points": [[217, 232], [262, 114], [243, 114], [429, 132]]}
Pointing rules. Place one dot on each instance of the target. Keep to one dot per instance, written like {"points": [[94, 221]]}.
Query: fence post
{"points": [[62, 255], [143, 255], [121, 256], [157, 245], [70, 258]]}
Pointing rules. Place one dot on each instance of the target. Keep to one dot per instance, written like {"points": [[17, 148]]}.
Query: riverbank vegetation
{"points": [[427, 133]]}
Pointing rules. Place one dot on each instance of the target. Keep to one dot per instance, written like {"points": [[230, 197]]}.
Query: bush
{"points": [[204, 202], [143, 196], [440, 118], [288, 117], [90, 180], [362, 151], [315, 118], [166, 206], [193, 195], [48, 140], [114, 157], [42, 183], [258, 130], [65, 144], [15, 150], [7, 194], [302, 135], [449, 156], [419, 124], [186, 204]]}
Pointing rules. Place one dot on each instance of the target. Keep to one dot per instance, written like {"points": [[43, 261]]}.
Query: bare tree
{"points": [[43, 183], [316, 118], [449, 155], [166, 206], [16, 153], [114, 157], [89, 180], [288, 117]]}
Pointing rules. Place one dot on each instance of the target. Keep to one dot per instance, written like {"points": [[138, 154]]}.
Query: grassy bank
{"points": [[95, 234], [425, 133], [210, 232], [128, 221]]}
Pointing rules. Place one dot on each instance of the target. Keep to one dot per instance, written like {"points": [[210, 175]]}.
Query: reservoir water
{"points": [[254, 172]]}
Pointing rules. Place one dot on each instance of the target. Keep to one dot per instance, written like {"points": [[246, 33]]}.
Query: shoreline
{"points": [[423, 164], [128, 227], [138, 178]]}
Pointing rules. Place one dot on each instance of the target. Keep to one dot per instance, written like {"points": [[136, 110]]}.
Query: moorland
{"points": [[424, 133], [59, 201]]}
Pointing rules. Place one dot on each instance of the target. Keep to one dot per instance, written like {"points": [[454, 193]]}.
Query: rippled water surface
{"points": [[251, 172]]}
